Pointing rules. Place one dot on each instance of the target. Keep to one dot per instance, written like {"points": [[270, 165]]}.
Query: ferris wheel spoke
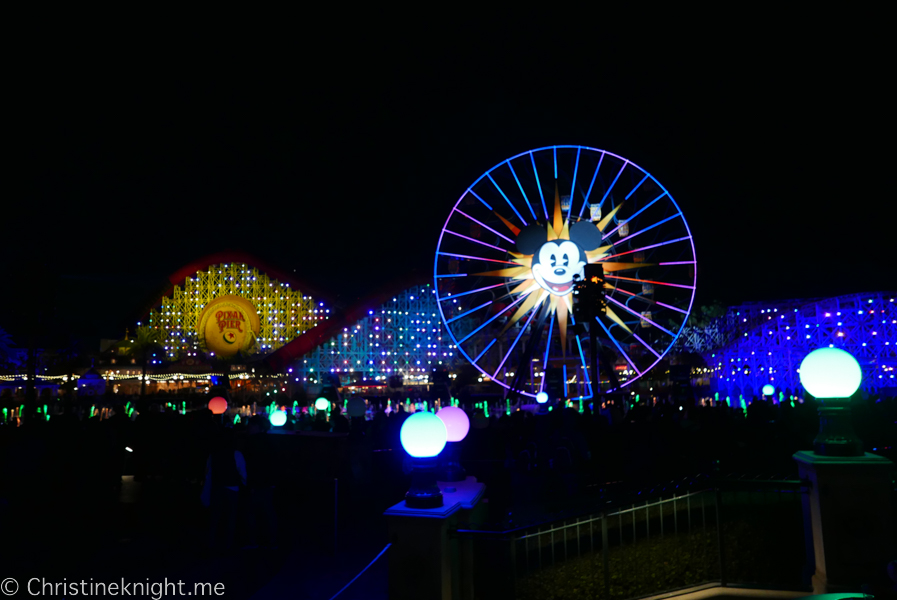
{"points": [[619, 347], [486, 349], [475, 241], [591, 185], [520, 187], [472, 310], [452, 275], [497, 315], [646, 344], [642, 317], [684, 312], [573, 185], [548, 343], [678, 285], [611, 186], [643, 248], [637, 186], [452, 296], [475, 195], [637, 213], [483, 225], [508, 200], [616, 319], [648, 228], [514, 345], [539, 185]]}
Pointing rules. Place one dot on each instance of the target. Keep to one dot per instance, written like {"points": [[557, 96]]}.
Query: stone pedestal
{"points": [[851, 519], [420, 559]]}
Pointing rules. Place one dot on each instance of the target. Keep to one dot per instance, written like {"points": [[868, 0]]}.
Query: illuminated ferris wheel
{"points": [[519, 237]]}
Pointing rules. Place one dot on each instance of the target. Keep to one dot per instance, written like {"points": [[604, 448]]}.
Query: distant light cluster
{"points": [[403, 337], [284, 312], [767, 342]]}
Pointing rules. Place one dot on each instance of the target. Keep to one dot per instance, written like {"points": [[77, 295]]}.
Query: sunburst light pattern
{"points": [[514, 242]]}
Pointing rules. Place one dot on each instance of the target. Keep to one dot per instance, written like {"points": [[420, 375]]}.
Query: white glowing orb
{"points": [[830, 373], [541, 397], [769, 390], [322, 404], [456, 422], [278, 418], [423, 435]]}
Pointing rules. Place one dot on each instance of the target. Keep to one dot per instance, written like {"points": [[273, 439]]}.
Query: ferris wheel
{"points": [[520, 236]]}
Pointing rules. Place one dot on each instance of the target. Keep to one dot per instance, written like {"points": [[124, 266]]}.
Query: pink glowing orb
{"points": [[218, 405], [456, 422]]}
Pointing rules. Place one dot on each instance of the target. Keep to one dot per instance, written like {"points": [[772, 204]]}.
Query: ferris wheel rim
{"points": [[474, 361]]}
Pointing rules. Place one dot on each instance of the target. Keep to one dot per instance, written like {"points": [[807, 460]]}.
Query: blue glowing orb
{"points": [[278, 418], [769, 390], [423, 435], [322, 404], [830, 373], [541, 397], [456, 422]]}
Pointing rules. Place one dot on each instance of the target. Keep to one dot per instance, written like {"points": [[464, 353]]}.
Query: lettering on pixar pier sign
{"points": [[229, 325]]}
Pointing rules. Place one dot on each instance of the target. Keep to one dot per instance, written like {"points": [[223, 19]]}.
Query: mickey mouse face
{"points": [[557, 263]]}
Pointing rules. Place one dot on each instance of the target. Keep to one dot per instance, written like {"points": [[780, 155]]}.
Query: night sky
{"points": [[338, 150]]}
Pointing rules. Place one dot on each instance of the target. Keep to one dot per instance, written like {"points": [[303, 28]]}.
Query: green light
{"points": [[769, 390], [322, 404], [830, 373]]}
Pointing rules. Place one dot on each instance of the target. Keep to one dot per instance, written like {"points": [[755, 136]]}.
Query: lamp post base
{"points": [[424, 492], [836, 436]]}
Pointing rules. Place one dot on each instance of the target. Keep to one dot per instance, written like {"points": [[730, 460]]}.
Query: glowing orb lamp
{"points": [[769, 390], [356, 407], [456, 422], [218, 405], [830, 373], [423, 436], [278, 418], [322, 404], [457, 425], [541, 397], [833, 375]]}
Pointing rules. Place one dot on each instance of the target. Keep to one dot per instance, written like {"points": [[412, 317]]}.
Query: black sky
{"points": [[339, 149]]}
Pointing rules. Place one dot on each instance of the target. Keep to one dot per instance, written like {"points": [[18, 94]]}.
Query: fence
{"points": [[732, 531]]}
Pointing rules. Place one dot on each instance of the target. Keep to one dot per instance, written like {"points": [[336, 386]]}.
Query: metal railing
{"points": [[618, 551]]}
